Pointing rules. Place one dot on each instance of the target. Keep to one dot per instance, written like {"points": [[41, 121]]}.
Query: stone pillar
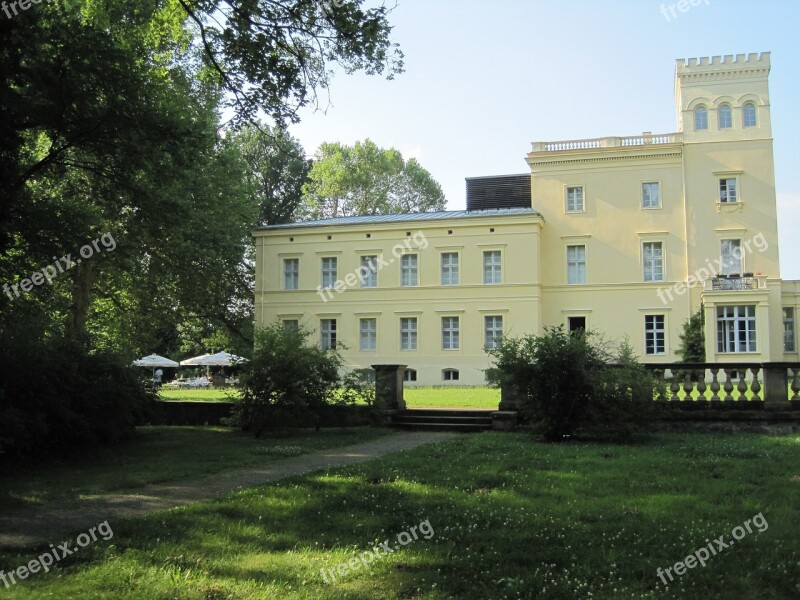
{"points": [[510, 398], [389, 387], [776, 386]]}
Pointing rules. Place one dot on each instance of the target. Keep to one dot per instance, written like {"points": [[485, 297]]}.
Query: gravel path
{"points": [[54, 523]]}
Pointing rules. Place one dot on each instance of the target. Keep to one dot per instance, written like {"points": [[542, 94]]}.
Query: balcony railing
{"points": [[737, 282], [646, 139]]}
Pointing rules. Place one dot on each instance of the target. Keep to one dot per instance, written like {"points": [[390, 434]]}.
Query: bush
{"points": [[288, 382], [571, 386]]}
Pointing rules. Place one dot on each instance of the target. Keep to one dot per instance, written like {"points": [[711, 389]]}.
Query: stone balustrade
{"points": [[645, 139]]}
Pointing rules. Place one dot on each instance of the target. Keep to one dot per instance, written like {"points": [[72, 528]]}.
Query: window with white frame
{"points": [[749, 114], [450, 374], [449, 268], [329, 269], [576, 264], [736, 328], [492, 266], [653, 261], [291, 324], [368, 334], [408, 333], [654, 334], [725, 116], [575, 199], [450, 333], [731, 257], [291, 273], [492, 330], [410, 375], [700, 118], [369, 271], [651, 195], [727, 190], [327, 328], [789, 343], [409, 275]]}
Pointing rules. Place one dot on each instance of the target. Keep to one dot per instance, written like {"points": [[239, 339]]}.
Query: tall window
{"points": [[369, 271], [576, 264], [408, 333], [725, 117], [492, 266], [727, 189], [492, 331], [368, 334], [574, 199], [449, 268], [749, 114], [788, 330], [329, 266], [450, 333], [291, 273], [408, 270], [651, 195], [653, 260], [731, 257], [736, 328], [327, 330], [654, 334], [700, 118]]}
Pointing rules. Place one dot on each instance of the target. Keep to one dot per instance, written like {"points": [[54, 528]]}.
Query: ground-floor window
{"points": [[492, 331], [654, 334], [328, 334], [789, 344], [410, 375], [736, 328], [368, 334]]}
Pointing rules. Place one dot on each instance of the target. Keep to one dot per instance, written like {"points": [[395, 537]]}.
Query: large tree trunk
{"points": [[82, 283]]}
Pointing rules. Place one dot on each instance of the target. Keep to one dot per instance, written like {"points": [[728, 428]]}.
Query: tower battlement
{"points": [[719, 64]]}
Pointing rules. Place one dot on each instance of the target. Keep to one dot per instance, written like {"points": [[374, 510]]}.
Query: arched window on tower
{"points": [[700, 118], [749, 114], [725, 116]]}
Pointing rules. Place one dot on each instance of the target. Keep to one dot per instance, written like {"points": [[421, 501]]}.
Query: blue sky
{"points": [[485, 79]]}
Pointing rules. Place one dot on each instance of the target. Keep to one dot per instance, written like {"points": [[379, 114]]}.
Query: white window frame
{"points": [[450, 268], [451, 375], [647, 194], [736, 329], [492, 267], [327, 329], [370, 263], [746, 121], [701, 124], [728, 194], [574, 202], [576, 276], [368, 334], [451, 333], [727, 122], [653, 264], [492, 331], [657, 332], [409, 270], [409, 375], [330, 271], [291, 277], [408, 333], [789, 329]]}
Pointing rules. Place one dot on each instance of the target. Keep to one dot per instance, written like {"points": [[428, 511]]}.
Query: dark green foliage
{"points": [[288, 382], [693, 341], [358, 386], [572, 386]]}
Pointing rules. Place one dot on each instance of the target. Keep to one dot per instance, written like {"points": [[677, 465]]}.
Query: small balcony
{"points": [[736, 282]]}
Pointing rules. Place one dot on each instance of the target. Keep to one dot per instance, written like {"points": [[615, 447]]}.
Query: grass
{"points": [[163, 454], [198, 395], [511, 518], [451, 397]]}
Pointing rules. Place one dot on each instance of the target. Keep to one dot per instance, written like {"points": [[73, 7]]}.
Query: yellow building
{"points": [[624, 235]]}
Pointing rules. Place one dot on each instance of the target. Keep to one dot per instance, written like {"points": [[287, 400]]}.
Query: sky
{"points": [[484, 79]]}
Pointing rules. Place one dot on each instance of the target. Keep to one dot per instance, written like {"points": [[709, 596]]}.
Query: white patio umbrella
{"points": [[154, 361], [194, 361], [220, 359]]}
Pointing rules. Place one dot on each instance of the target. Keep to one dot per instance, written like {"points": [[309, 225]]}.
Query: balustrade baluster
{"points": [[714, 385], [755, 387], [728, 387], [796, 383], [701, 385], [742, 387]]}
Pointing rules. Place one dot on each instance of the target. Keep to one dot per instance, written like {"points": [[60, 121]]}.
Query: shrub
{"points": [[288, 382], [357, 386], [572, 385]]}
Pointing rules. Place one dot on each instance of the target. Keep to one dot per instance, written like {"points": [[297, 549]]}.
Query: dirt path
{"points": [[54, 523]]}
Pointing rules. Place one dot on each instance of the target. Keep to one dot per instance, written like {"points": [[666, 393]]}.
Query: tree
{"points": [[693, 339], [367, 180]]}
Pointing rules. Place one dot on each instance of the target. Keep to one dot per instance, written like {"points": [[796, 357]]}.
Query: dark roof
{"points": [[421, 216], [500, 191]]}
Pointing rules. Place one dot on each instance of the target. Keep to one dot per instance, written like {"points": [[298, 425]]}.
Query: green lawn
{"points": [[161, 454], [451, 397], [510, 518], [199, 395]]}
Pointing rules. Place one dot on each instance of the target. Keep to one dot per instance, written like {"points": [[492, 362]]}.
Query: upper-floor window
{"points": [[725, 116], [449, 268], [727, 189], [408, 333], [409, 275], [653, 261], [651, 195], [749, 114], [291, 273], [700, 118], [369, 271], [368, 334], [328, 334], [329, 267], [788, 330], [576, 264], [575, 199], [492, 266], [731, 256], [736, 328]]}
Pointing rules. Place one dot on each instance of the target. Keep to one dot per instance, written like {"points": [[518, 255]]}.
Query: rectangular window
{"points": [[368, 334], [449, 268], [492, 266], [653, 261], [731, 257], [736, 328], [369, 271], [576, 324], [727, 190], [329, 269], [328, 334], [576, 264], [574, 199], [492, 331], [408, 333], [789, 344], [651, 195], [291, 324], [291, 273], [654, 334], [450, 333], [408, 270]]}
